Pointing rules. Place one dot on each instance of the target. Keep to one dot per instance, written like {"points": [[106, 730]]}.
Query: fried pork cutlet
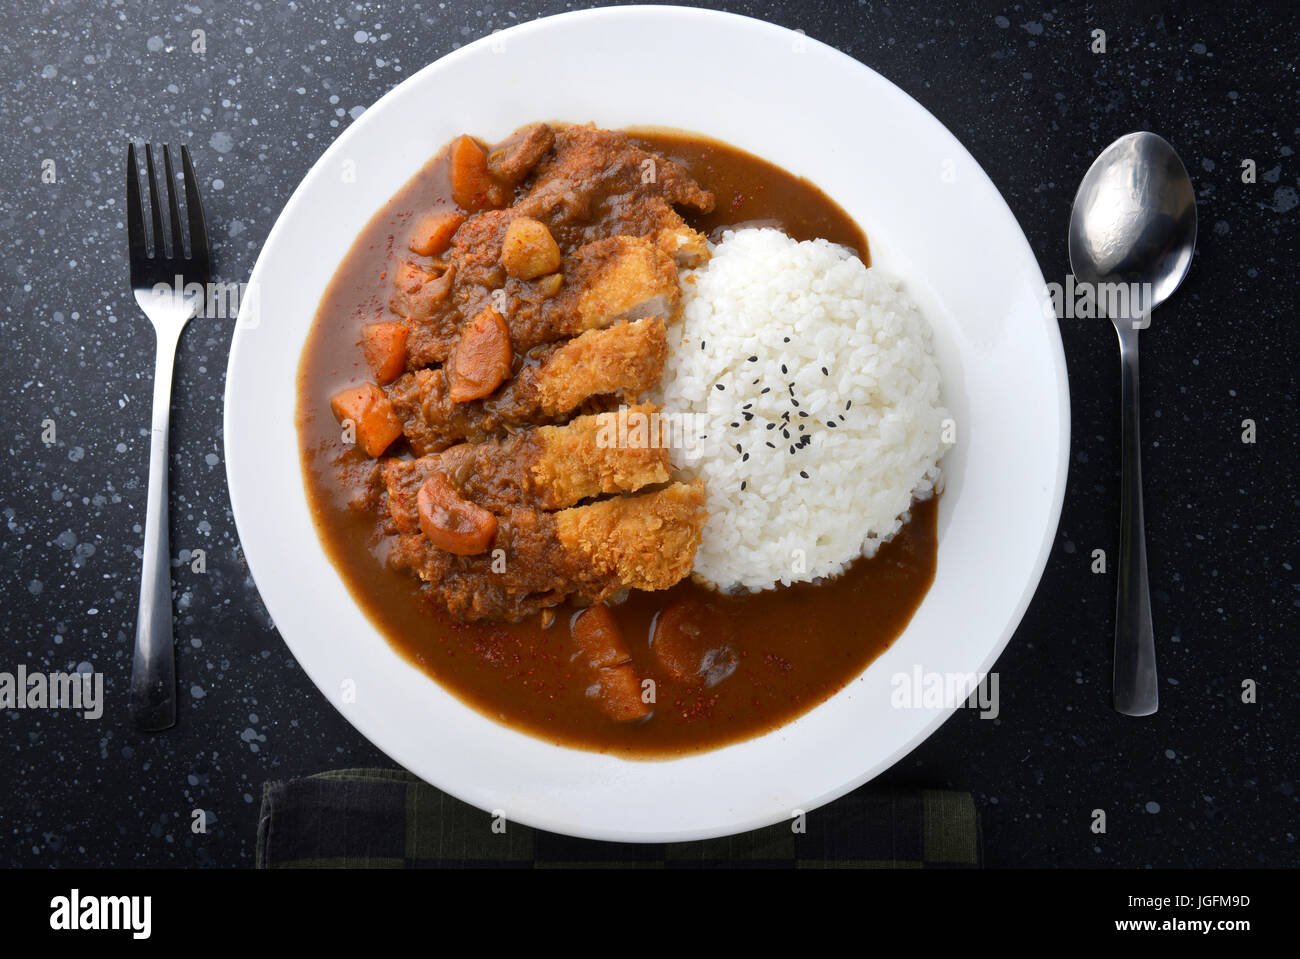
{"points": [[601, 283], [538, 559], [624, 360], [548, 467]]}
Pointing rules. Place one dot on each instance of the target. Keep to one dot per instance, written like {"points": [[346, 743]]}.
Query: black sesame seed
{"points": [[742, 485], [783, 369], [832, 424], [747, 406], [771, 426], [803, 413], [773, 445], [735, 426], [848, 405], [753, 359], [745, 457], [803, 474], [787, 339], [719, 386], [701, 344], [785, 433], [766, 389], [747, 416], [792, 451], [796, 403], [825, 372], [841, 417], [737, 447]]}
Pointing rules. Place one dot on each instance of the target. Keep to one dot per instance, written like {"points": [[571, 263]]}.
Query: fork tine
{"points": [[137, 241], [159, 242], [178, 248], [194, 208]]}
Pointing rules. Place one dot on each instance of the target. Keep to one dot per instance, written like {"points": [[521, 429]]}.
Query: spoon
{"points": [[1132, 233]]}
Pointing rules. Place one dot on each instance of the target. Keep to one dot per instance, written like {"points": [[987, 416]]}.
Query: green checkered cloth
{"points": [[388, 818]]}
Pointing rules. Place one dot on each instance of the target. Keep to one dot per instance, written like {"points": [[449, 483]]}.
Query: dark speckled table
{"points": [[1209, 780]]}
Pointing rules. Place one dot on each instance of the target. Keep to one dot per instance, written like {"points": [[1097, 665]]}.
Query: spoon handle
{"points": [[1135, 689]]}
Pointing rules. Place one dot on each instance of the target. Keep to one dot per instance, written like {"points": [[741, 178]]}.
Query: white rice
{"points": [[767, 314]]}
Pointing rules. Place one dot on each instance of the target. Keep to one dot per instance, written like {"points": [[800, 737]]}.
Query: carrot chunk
{"points": [[598, 645], [385, 347], [481, 361], [693, 641], [432, 234], [618, 693], [597, 640], [472, 185], [452, 522], [371, 414]]}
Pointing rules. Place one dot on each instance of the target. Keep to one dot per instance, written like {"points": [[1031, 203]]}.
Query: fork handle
{"points": [[1135, 690], [153, 668]]}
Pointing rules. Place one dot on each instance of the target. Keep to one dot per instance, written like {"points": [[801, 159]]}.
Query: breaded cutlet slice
{"points": [[646, 541], [548, 467], [624, 360]]}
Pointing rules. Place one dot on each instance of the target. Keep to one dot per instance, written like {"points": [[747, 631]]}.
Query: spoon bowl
{"points": [[1134, 219]]}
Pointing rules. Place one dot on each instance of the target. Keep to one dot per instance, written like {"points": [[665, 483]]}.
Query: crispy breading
{"points": [[647, 541], [626, 359], [586, 458], [620, 278]]}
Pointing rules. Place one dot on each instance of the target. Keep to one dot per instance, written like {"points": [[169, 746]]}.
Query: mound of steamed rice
{"points": [[812, 408]]}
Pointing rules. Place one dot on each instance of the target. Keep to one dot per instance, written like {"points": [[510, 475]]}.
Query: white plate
{"points": [[932, 217]]}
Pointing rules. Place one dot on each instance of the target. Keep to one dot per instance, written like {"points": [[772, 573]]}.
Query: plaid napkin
{"points": [[388, 818]]}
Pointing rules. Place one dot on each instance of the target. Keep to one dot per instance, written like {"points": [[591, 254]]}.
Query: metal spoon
{"points": [[1133, 223]]}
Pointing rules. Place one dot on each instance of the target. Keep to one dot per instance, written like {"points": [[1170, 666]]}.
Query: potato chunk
{"points": [[529, 250]]}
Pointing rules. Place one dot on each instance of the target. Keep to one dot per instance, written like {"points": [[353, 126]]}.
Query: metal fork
{"points": [[169, 287]]}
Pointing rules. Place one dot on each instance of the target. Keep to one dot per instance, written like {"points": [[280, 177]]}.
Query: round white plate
{"points": [[932, 217]]}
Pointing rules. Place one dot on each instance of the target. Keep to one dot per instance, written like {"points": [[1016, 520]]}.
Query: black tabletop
{"points": [[1209, 780]]}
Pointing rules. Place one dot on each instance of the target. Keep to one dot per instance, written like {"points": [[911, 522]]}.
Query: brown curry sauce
{"points": [[797, 646]]}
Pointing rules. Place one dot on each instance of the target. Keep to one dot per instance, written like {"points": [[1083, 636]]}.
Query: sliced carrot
{"points": [[481, 361], [432, 234], [597, 639], [371, 414], [618, 693], [693, 641], [452, 522], [598, 645], [472, 185], [385, 347]]}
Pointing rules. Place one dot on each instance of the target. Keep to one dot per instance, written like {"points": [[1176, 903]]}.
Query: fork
{"points": [[164, 282]]}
